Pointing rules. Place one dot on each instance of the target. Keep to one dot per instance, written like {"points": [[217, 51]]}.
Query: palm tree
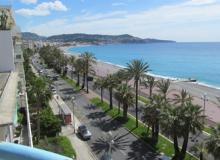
{"points": [[123, 75], [137, 69], [179, 122], [110, 82], [72, 64], [79, 69], [125, 96], [163, 86], [182, 98], [150, 83], [152, 115], [213, 144], [88, 59], [100, 84]]}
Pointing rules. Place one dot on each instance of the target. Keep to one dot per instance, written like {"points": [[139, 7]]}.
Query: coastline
{"points": [[196, 89]]}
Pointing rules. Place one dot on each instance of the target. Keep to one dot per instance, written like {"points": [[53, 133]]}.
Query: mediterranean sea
{"points": [[200, 61]]}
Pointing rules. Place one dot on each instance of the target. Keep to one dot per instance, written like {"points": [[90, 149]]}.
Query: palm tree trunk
{"points": [[101, 94], [110, 96], [156, 131], [201, 156], [77, 84], [152, 132], [87, 84], [185, 143], [119, 106], [175, 143], [125, 111], [136, 103], [83, 81]]}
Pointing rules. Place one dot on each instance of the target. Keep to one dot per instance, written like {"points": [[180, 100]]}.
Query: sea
{"points": [[200, 61]]}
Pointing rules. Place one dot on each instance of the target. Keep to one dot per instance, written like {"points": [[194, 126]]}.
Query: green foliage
{"points": [[143, 99], [50, 125], [213, 146], [163, 145], [58, 144]]}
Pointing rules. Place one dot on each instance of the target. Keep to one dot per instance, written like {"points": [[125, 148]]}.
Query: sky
{"points": [[179, 20]]}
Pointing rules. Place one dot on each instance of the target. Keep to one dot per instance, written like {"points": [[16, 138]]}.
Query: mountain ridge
{"points": [[92, 38]]}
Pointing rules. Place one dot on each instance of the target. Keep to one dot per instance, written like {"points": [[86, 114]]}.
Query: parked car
{"points": [[84, 132]]}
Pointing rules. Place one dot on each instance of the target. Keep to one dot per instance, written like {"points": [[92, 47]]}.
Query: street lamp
{"points": [[73, 102], [204, 98]]}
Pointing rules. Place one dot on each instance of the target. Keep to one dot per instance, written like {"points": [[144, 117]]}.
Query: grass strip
{"points": [[72, 83], [59, 144], [207, 129], [163, 145], [143, 99]]}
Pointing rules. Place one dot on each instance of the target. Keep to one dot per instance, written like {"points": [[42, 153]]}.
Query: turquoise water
{"points": [[178, 60]]}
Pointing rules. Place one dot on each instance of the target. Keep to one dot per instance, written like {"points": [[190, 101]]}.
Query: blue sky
{"points": [[180, 20]]}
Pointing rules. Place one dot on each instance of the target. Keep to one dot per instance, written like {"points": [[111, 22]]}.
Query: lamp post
{"points": [[204, 98], [73, 102]]}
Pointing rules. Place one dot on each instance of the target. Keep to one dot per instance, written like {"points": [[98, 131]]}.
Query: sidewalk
{"points": [[82, 149]]}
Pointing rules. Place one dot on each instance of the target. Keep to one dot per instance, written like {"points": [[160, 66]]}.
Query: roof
{"points": [[9, 151], [63, 107], [3, 81], [8, 100]]}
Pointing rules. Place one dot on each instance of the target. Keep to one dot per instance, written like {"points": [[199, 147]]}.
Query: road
{"points": [[102, 126], [85, 114]]}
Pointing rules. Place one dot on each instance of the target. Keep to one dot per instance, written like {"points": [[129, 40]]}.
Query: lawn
{"points": [[59, 144], [163, 145]]}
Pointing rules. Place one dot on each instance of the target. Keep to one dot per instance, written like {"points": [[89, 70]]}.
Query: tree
{"points": [[123, 75], [50, 125], [152, 115], [79, 69], [179, 122], [42, 95], [125, 96], [182, 98], [163, 86], [110, 83], [72, 64], [100, 84], [88, 59], [150, 83], [213, 142], [137, 69]]}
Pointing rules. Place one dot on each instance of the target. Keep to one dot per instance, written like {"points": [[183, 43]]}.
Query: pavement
{"points": [[81, 147]]}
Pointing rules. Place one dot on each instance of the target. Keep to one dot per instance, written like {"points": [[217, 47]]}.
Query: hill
{"points": [[92, 38]]}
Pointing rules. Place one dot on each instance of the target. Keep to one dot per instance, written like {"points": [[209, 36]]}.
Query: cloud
{"points": [[181, 22], [200, 2], [43, 9], [118, 4], [29, 1]]}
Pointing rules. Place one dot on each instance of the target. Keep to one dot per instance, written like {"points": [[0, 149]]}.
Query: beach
{"points": [[197, 90]]}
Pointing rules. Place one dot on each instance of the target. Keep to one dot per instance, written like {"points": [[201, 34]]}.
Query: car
{"points": [[84, 132]]}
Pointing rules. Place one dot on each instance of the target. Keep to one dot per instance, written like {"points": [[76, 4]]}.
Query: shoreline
{"points": [[204, 84], [196, 89]]}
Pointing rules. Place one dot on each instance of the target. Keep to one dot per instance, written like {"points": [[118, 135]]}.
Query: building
{"points": [[12, 79]]}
